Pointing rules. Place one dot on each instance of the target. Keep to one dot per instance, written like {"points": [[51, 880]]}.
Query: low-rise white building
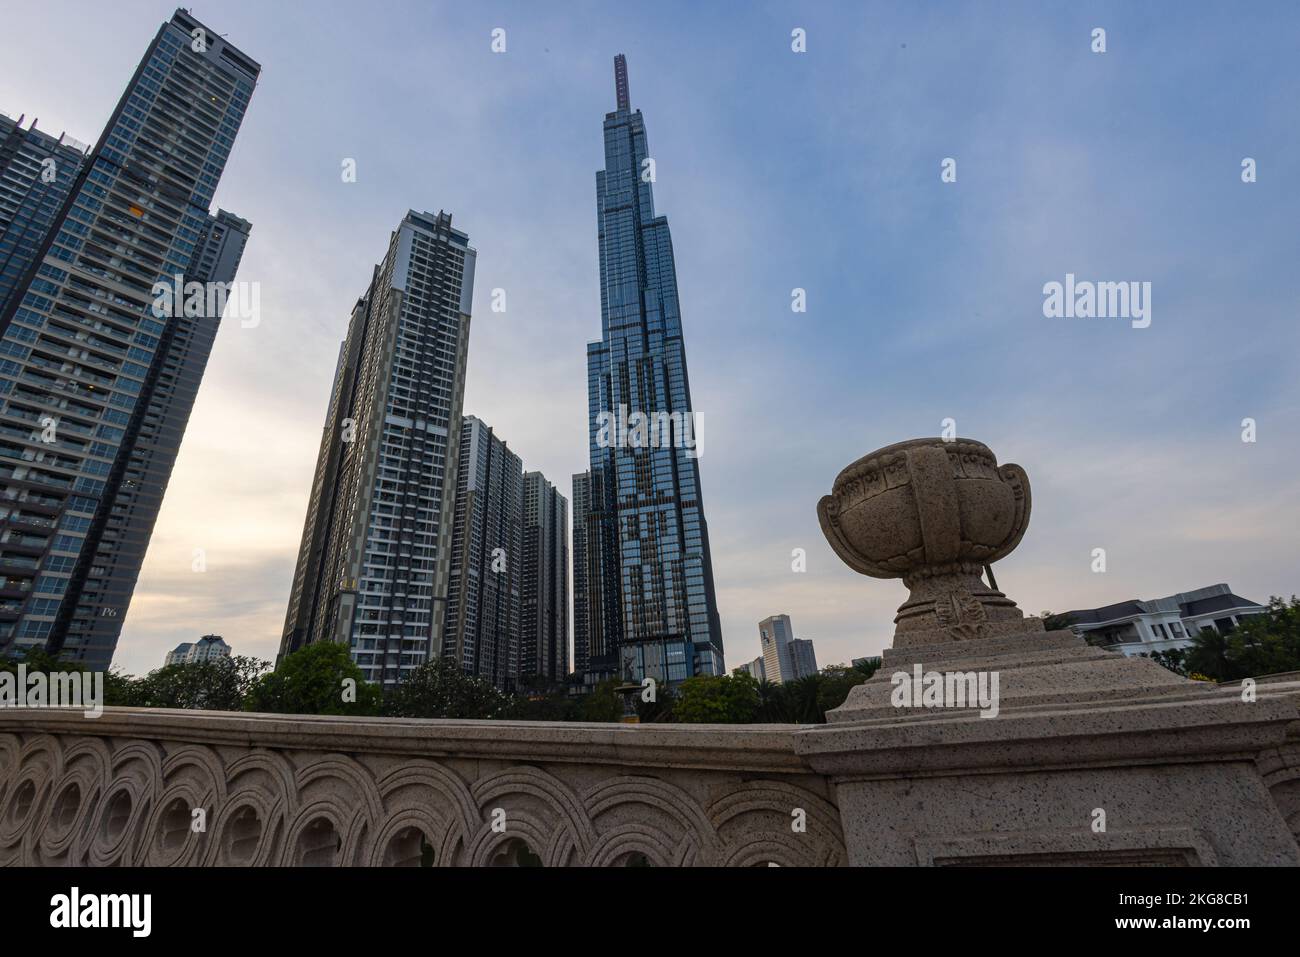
{"points": [[1141, 626], [207, 648]]}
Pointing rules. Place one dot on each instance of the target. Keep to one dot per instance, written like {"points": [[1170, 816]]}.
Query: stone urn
{"points": [[933, 512]]}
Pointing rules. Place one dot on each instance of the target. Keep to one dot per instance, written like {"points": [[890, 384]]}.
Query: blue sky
{"points": [[776, 170]]}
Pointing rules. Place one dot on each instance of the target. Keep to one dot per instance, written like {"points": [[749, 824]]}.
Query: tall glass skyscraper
{"points": [[651, 609], [95, 383]]}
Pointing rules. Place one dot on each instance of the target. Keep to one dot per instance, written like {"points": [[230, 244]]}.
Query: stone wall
{"points": [[333, 791], [322, 791]]}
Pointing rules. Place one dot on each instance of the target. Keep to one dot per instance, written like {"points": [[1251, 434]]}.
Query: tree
{"points": [[717, 699], [603, 703], [774, 705], [1267, 643], [439, 689], [1208, 655], [217, 685], [1056, 622], [318, 679], [836, 681], [1175, 659], [118, 686], [868, 666], [660, 710]]}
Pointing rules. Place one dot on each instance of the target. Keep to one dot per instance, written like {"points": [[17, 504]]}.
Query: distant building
{"points": [[755, 669], [207, 648], [785, 657], [544, 634], [802, 657], [484, 610], [774, 636], [1141, 626], [581, 505]]}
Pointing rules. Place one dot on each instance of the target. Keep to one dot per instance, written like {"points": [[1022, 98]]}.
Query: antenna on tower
{"points": [[620, 82]]}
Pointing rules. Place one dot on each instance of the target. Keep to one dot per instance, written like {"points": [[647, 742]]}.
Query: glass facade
{"points": [[651, 609], [87, 365], [484, 611], [374, 560]]}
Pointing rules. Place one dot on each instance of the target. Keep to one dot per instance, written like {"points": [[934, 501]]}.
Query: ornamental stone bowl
{"points": [[933, 512]]}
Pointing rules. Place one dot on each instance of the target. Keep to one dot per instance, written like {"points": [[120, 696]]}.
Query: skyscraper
{"points": [[544, 639], [484, 595], [650, 598], [581, 505], [37, 171], [373, 565], [96, 382], [803, 660], [785, 657], [774, 637]]}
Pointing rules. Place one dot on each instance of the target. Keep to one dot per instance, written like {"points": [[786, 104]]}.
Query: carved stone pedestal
{"points": [[984, 740]]}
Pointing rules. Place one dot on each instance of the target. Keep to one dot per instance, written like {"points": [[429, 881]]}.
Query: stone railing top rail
{"points": [[768, 748]]}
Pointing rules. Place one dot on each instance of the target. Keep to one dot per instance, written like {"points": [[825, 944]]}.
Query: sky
{"points": [[778, 170]]}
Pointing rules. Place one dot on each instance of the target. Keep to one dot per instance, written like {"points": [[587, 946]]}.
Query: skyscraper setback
{"points": [[95, 385], [650, 603], [373, 565]]}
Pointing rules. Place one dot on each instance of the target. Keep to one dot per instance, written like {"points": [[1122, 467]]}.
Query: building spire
{"points": [[620, 82]]}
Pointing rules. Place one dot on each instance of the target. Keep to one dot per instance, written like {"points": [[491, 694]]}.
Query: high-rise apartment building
{"points": [[544, 639], [374, 561], [774, 635], [755, 669], [96, 376], [581, 506], [37, 171], [651, 609], [208, 648], [484, 595], [803, 660]]}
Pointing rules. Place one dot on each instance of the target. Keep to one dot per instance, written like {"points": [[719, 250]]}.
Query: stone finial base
{"points": [[1088, 758]]}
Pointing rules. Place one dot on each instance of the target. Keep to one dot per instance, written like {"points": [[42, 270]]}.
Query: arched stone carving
{"points": [[338, 789], [432, 798], [755, 824], [261, 798], [538, 807], [675, 830], [78, 797], [193, 778]]}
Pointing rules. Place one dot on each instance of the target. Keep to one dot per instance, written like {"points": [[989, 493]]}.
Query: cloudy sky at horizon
{"points": [[776, 170]]}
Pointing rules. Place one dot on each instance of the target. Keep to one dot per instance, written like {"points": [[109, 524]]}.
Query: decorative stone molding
{"points": [[1090, 757], [320, 791]]}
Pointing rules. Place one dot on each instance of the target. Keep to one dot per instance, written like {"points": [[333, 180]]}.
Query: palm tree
{"points": [[1208, 655], [773, 703]]}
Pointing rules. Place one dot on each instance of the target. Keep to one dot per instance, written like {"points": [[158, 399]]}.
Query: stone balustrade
{"points": [[322, 791], [123, 789]]}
